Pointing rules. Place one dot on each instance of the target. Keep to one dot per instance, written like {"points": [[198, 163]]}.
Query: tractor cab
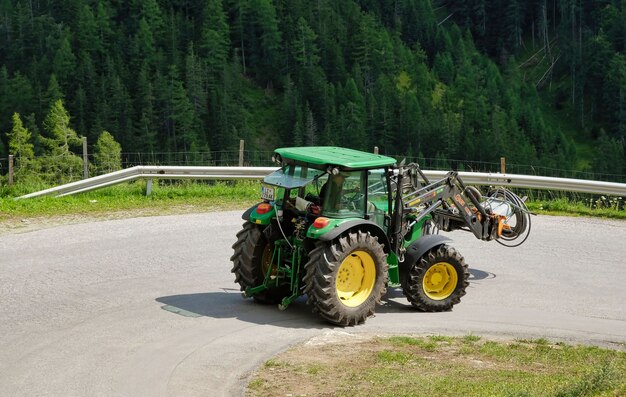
{"points": [[332, 182]]}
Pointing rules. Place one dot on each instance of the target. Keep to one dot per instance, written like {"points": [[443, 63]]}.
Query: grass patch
{"points": [[427, 344], [470, 338], [176, 197], [391, 357], [463, 366], [603, 208]]}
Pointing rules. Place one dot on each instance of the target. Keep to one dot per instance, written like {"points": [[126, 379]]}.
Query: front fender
{"points": [[420, 247]]}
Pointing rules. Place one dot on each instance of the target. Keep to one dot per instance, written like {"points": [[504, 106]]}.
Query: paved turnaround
{"points": [[148, 307]]}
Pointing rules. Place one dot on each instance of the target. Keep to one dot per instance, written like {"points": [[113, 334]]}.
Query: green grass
{"points": [[390, 357], [463, 366], [604, 208], [185, 196]]}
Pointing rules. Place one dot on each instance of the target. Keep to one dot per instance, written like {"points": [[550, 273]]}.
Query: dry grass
{"points": [[441, 366]]}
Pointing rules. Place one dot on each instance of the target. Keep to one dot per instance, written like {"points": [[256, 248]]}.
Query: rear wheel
{"points": [[346, 278], [437, 281], [252, 259]]}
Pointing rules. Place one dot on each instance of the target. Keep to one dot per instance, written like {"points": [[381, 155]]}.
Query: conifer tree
{"points": [[108, 154], [20, 144], [60, 163], [214, 43]]}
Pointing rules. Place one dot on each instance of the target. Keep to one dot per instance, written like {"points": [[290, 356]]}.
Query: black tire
{"points": [[437, 281], [250, 261], [346, 278]]}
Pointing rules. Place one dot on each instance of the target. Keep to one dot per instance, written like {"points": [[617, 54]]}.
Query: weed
{"points": [[388, 357], [593, 382], [441, 338], [470, 338], [314, 369]]}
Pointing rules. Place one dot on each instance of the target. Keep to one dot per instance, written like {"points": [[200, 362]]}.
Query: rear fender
{"points": [[260, 219], [358, 224], [246, 215]]}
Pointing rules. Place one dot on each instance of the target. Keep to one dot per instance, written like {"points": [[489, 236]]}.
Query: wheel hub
{"points": [[440, 281], [355, 278]]}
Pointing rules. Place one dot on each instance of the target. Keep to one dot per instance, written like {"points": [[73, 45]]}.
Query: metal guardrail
{"points": [[230, 173]]}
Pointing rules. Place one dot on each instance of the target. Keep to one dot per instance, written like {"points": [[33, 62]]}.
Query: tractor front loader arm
{"points": [[453, 205]]}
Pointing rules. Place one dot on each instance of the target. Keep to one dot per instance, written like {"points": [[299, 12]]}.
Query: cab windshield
{"points": [[293, 176]]}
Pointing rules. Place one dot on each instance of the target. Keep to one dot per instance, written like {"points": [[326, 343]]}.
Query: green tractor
{"points": [[341, 226]]}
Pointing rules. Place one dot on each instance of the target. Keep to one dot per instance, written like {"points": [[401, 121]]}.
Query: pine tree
{"points": [[145, 126], [64, 64], [352, 118], [306, 52], [146, 44], [214, 43], [268, 57], [87, 31], [5, 102], [108, 154], [20, 142], [53, 93], [60, 164]]}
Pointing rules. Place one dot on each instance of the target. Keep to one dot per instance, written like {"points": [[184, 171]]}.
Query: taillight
{"points": [[263, 208], [321, 222]]}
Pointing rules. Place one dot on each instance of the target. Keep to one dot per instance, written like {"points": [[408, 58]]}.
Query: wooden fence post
{"points": [[375, 149], [502, 165], [241, 146], [10, 169], [85, 159]]}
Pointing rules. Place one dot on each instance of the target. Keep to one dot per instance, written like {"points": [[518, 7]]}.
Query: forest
{"points": [[540, 83]]}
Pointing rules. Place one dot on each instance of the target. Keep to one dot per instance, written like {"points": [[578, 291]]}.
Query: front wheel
{"points": [[437, 281], [346, 278]]}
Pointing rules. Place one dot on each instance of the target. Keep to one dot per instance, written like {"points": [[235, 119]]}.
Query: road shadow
{"points": [[476, 275], [230, 304]]}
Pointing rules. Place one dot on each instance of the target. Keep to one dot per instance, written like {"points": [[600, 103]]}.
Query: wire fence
{"points": [[264, 159], [216, 158]]}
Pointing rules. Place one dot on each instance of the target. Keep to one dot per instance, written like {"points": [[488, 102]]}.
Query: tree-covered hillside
{"points": [[450, 79]]}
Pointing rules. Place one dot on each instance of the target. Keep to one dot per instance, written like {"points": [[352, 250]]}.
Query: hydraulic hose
{"points": [[521, 215]]}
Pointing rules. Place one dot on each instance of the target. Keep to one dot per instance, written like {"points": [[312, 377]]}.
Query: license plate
{"points": [[267, 193]]}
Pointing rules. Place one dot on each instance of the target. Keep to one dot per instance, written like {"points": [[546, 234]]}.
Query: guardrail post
{"points": [[149, 187], [10, 169], [85, 159], [241, 146], [375, 149], [502, 165]]}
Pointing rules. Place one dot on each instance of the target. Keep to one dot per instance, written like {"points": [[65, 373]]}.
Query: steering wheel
{"points": [[353, 199]]}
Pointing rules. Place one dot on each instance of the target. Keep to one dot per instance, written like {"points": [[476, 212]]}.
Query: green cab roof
{"points": [[331, 155]]}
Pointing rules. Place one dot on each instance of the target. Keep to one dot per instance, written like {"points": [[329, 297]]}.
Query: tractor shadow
{"points": [[231, 305], [477, 275]]}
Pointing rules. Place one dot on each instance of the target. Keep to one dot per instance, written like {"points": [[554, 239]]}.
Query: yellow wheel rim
{"points": [[440, 281], [355, 278], [266, 259]]}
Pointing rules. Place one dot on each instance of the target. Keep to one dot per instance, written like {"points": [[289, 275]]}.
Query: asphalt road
{"points": [[148, 306]]}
